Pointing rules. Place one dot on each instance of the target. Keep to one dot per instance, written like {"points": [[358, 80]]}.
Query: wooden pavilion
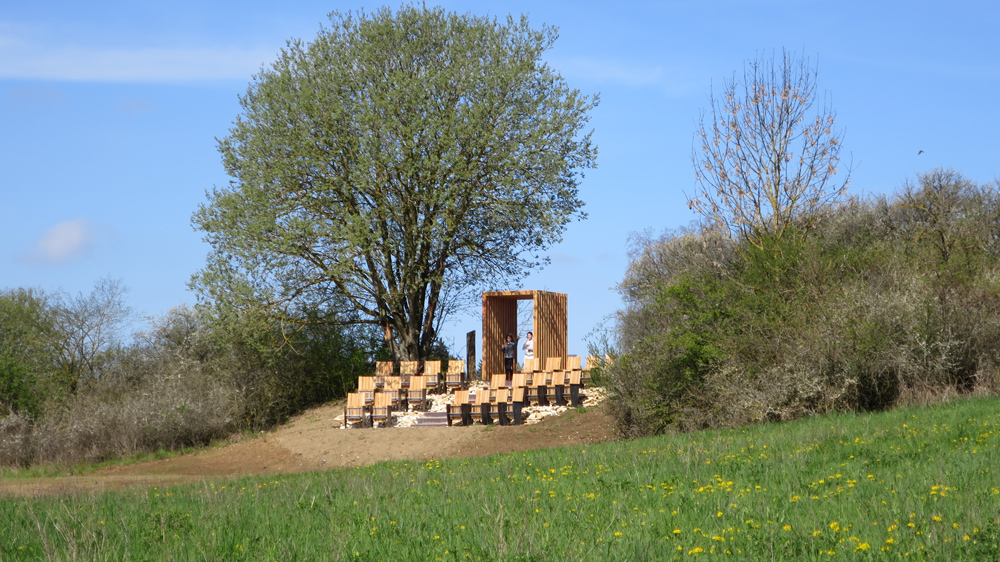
{"points": [[549, 324]]}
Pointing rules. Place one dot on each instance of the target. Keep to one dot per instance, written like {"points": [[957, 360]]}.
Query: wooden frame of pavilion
{"points": [[549, 324]]}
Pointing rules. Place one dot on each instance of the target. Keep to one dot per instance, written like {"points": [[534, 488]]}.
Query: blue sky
{"points": [[109, 113]]}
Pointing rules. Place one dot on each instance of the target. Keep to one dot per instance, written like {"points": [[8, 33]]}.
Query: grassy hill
{"points": [[914, 484]]}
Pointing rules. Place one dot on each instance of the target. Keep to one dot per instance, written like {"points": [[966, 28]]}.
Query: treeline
{"points": [[880, 302], [74, 388]]}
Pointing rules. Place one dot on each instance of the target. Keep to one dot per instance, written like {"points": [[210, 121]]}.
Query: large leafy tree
{"points": [[393, 165]]}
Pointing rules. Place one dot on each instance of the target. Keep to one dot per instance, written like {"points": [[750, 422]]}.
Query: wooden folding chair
{"points": [[366, 388], [354, 411], [501, 409], [392, 390], [554, 390], [383, 369], [381, 410], [519, 380], [416, 395], [551, 365], [573, 363], [481, 407], [455, 374], [531, 395], [575, 384], [593, 362], [432, 374], [408, 369], [458, 410], [517, 403]]}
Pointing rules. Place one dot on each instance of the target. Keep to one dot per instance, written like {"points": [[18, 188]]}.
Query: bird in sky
{"points": [[919, 153]]}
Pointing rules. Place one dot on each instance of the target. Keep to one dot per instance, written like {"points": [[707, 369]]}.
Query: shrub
{"points": [[881, 302]]}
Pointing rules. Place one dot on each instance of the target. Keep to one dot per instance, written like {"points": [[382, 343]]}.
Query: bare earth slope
{"points": [[314, 441]]}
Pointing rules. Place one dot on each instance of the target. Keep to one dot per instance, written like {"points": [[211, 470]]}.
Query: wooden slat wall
{"points": [[550, 325], [500, 318]]}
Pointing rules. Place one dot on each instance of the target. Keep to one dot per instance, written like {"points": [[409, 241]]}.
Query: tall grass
{"points": [[913, 484]]}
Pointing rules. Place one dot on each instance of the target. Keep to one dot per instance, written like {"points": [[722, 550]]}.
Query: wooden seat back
{"points": [[530, 365], [432, 373], [408, 367], [481, 406], [417, 393], [498, 381], [366, 388], [455, 374], [519, 380], [381, 408], [354, 412], [554, 364]]}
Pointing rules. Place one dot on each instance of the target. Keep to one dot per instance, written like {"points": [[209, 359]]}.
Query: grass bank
{"points": [[914, 484]]}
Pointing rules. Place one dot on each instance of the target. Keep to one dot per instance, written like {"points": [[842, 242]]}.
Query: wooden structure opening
{"points": [[549, 324]]}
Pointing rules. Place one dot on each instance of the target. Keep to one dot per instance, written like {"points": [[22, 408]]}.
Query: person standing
{"points": [[509, 354], [529, 346]]}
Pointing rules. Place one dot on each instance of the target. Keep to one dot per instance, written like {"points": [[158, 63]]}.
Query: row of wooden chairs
{"points": [[488, 406], [503, 401], [453, 377], [381, 394]]}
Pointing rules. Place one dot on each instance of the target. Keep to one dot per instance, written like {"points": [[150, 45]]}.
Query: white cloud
{"points": [[26, 55], [63, 242]]}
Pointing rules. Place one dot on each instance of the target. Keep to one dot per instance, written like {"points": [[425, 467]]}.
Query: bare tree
{"points": [[92, 326], [767, 157]]}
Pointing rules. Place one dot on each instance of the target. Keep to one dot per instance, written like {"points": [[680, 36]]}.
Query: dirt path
{"points": [[314, 441]]}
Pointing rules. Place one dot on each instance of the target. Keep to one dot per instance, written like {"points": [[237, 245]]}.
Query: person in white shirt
{"points": [[529, 346]]}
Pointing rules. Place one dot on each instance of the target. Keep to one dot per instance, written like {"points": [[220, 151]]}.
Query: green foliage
{"points": [[879, 302], [28, 350], [391, 166], [842, 486], [17, 394], [196, 375]]}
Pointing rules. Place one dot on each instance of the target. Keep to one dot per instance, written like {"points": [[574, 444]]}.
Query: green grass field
{"points": [[916, 484]]}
